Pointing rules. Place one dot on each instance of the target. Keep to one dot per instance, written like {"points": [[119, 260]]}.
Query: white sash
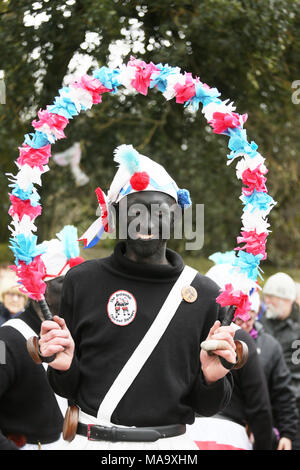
{"points": [[26, 331], [144, 349]]}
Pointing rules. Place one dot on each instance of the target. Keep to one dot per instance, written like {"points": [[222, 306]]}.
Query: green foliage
{"points": [[249, 50]]}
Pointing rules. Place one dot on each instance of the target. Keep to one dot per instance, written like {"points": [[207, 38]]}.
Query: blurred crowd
{"points": [[264, 411]]}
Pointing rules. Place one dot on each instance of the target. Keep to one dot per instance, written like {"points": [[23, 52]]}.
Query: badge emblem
{"points": [[189, 294], [121, 307]]}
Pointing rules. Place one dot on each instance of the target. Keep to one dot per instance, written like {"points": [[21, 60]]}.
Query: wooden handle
{"points": [[45, 309], [35, 353], [33, 349], [33, 342], [70, 423], [242, 354]]}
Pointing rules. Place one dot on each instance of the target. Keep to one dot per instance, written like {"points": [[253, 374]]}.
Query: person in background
{"points": [[246, 422], [278, 376], [31, 415], [12, 300], [279, 295]]}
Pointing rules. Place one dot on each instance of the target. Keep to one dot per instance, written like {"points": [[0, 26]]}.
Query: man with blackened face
{"points": [[127, 342]]}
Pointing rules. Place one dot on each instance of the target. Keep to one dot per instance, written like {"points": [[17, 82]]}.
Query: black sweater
{"points": [[279, 382], [170, 387], [250, 402], [27, 403]]}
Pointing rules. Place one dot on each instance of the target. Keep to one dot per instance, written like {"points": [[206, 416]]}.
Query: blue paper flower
{"points": [[108, 78], [25, 248], [203, 95], [36, 140], [161, 80], [223, 258], [258, 200], [69, 237], [29, 193], [238, 143], [63, 105], [249, 264]]}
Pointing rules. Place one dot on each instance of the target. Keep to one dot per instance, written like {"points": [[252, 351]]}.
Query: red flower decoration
{"points": [[223, 121], [31, 277], [20, 208], [141, 82], [254, 179], [255, 243], [93, 86], [34, 157], [54, 121], [187, 91], [140, 180], [231, 297]]}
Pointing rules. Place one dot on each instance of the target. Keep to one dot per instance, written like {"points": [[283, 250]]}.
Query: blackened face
{"points": [[53, 294], [148, 217]]}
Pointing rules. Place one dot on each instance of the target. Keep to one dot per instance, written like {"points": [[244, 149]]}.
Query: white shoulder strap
{"points": [[27, 332], [144, 349], [21, 326]]}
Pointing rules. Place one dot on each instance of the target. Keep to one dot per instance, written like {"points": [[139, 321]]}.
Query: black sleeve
{"points": [[7, 374], [255, 397], [207, 400], [65, 383], [283, 400]]}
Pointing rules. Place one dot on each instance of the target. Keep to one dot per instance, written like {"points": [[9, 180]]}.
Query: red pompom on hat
{"points": [[140, 180]]}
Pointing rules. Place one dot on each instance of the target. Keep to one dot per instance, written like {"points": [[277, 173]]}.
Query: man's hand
{"points": [[55, 338], [211, 366], [284, 444]]}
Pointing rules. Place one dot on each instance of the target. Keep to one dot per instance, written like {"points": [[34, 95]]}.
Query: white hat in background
{"points": [[280, 285], [62, 253], [226, 273]]}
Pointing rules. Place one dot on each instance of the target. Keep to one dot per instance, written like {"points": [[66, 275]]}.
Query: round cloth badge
{"points": [[121, 307]]}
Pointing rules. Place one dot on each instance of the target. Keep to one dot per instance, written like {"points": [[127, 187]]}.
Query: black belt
{"points": [[101, 433]]}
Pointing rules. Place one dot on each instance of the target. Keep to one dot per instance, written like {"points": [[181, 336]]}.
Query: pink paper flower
{"points": [[222, 121], [55, 122], [34, 157], [254, 179], [93, 86], [255, 243], [141, 82], [229, 296], [187, 91], [31, 277], [20, 207]]}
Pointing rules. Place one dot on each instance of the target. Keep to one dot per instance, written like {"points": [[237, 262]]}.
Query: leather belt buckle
{"points": [[89, 432], [98, 433]]}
